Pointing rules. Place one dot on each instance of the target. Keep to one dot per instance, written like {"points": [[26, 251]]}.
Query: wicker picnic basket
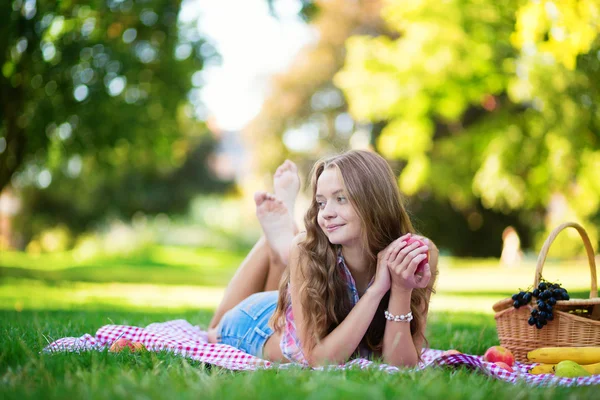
{"points": [[576, 322]]}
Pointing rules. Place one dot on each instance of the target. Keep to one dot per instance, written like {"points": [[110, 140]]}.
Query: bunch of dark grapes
{"points": [[546, 295]]}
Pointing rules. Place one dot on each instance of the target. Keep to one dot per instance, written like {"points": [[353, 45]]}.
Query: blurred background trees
{"points": [[488, 112], [97, 113], [488, 103]]}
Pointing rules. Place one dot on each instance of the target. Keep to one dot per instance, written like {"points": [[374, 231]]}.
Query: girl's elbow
{"points": [[317, 359], [402, 363], [314, 361]]}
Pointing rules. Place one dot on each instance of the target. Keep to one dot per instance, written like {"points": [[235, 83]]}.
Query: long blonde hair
{"points": [[373, 192]]}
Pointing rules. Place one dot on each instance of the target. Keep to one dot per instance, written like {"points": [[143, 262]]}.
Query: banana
{"points": [[554, 355], [593, 369], [542, 369]]}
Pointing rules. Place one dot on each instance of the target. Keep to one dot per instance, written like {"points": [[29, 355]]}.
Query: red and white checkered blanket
{"points": [[180, 337]]}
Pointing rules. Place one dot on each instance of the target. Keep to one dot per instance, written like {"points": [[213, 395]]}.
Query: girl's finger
{"points": [[423, 239], [393, 252], [424, 281], [391, 246], [399, 240], [415, 252], [413, 265], [408, 253]]}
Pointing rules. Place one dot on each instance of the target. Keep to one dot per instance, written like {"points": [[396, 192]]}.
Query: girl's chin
{"points": [[341, 240]]}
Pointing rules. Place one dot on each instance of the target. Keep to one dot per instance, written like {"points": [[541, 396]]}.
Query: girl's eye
{"points": [[341, 199], [320, 204]]}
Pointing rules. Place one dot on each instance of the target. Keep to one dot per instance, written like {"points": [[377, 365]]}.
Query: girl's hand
{"points": [[382, 281], [403, 261]]}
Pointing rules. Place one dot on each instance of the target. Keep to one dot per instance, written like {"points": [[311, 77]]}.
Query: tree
{"points": [[304, 101], [97, 97], [488, 102]]}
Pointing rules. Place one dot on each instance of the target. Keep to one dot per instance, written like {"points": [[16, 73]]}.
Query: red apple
{"points": [[451, 352], [121, 344], [139, 347], [504, 366], [499, 353], [421, 243]]}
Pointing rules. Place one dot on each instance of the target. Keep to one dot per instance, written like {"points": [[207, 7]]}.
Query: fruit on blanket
{"points": [[412, 240], [504, 365], [554, 355], [451, 352], [139, 347], [123, 343], [593, 369], [499, 353], [569, 369], [542, 369]]}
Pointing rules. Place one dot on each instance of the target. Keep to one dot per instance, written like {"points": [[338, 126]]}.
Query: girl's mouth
{"points": [[332, 228]]}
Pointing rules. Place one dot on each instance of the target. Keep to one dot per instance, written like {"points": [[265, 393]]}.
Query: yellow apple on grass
{"points": [[451, 352], [123, 343]]}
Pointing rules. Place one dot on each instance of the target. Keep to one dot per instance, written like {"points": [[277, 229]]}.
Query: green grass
{"points": [[158, 264], [39, 306]]}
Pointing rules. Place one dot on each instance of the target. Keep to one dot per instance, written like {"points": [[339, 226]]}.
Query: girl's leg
{"points": [[262, 269], [276, 269], [249, 278]]}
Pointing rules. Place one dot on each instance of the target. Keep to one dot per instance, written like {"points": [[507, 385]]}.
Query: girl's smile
{"points": [[331, 228]]}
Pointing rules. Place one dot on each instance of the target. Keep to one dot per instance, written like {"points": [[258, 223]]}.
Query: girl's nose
{"points": [[329, 211]]}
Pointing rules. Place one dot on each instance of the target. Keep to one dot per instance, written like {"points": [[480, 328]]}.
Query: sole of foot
{"points": [[286, 184], [276, 222]]}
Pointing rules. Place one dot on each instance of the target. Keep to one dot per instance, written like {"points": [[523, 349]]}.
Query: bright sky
{"points": [[253, 46]]}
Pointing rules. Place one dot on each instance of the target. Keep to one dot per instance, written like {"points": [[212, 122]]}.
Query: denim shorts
{"points": [[246, 326]]}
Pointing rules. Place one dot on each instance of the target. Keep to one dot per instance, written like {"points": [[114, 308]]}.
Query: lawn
{"points": [[55, 296]]}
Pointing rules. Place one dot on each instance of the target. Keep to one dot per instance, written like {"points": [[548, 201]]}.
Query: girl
{"points": [[355, 282]]}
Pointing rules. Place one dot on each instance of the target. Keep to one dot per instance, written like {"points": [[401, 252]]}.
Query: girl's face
{"points": [[336, 217]]}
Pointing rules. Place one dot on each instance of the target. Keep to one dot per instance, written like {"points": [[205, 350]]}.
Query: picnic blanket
{"points": [[182, 338]]}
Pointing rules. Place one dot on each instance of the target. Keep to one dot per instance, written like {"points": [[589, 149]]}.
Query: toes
{"points": [[286, 166], [281, 169], [292, 167], [260, 197]]}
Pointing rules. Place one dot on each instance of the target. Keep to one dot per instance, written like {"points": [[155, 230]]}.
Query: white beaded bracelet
{"points": [[398, 318]]}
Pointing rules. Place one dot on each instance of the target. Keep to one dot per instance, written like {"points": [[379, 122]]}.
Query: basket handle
{"points": [[588, 249]]}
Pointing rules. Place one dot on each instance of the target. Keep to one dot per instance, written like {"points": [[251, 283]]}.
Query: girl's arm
{"points": [[400, 348], [340, 344]]}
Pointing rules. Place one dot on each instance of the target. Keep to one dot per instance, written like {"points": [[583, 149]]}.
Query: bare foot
{"points": [[276, 222], [286, 183]]}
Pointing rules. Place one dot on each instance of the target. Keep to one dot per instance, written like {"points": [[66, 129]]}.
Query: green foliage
{"points": [[486, 102], [98, 104]]}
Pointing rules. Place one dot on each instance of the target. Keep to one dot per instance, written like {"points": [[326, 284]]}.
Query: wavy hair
{"points": [[373, 192]]}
